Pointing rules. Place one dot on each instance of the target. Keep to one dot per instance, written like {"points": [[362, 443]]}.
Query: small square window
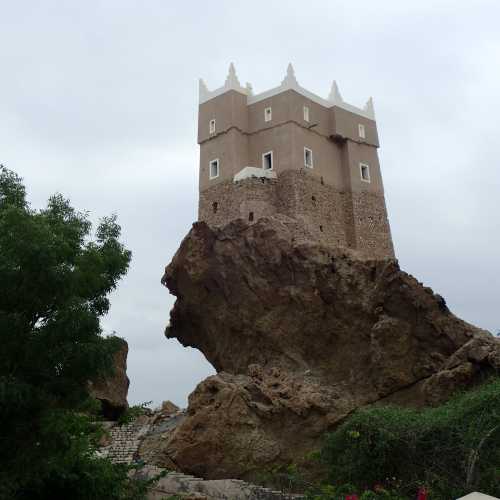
{"points": [[361, 131], [214, 169], [212, 126], [306, 113], [267, 161], [268, 114], [308, 158], [365, 172]]}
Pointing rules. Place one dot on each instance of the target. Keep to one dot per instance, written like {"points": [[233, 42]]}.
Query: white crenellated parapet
{"points": [[231, 83], [289, 83], [335, 96]]}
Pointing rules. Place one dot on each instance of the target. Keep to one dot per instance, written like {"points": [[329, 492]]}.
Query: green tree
{"points": [[55, 278]]}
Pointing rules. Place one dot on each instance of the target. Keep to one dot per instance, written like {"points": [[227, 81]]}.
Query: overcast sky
{"points": [[98, 101]]}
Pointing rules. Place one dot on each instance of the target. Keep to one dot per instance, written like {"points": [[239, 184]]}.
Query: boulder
{"points": [[112, 391], [301, 335]]}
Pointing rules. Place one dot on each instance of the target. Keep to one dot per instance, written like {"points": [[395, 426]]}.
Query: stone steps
{"points": [[177, 483], [123, 448]]}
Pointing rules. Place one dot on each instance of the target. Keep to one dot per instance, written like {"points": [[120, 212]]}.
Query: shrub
{"points": [[453, 449]]}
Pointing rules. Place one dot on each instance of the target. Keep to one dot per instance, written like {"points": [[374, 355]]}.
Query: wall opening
{"points": [[214, 169], [321, 228], [322, 181], [308, 158], [365, 172], [267, 161], [215, 206], [250, 216]]}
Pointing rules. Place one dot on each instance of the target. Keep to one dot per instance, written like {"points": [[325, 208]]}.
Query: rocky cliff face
{"points": [[112, 391], [301, 335]]}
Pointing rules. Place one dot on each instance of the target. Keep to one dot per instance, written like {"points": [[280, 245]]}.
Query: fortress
{"points": [[288, 151]]}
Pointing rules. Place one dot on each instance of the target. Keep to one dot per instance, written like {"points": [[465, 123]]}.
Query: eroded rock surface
{"points": [[112, 391], [301, 335]]}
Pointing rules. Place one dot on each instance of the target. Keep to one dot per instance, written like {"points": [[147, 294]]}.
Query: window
{"points": [[361, 130], [308, 158], [267, 161], [212, 126], [268, 114], [306, 113], [214, 169], [365, 172], [250, 217]]}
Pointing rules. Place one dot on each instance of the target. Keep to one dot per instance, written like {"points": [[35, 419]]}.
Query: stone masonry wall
{"points": [[228, 201], [336, 218], [318, 206], [371, 225]]}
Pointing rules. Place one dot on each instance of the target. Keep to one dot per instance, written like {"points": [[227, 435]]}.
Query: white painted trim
{"points": [[361, 165], [312, 158], [268, 114], [288, 83], [211, 126], [306, 113], [249, 172], [210, 176], [272, 160], [312, 97], [361, 131]]}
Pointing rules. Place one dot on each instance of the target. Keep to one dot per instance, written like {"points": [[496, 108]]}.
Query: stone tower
{"points": [[288, 151]]}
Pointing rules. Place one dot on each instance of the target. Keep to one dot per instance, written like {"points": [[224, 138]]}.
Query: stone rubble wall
{"points": [[124, 443], [341, 219]]}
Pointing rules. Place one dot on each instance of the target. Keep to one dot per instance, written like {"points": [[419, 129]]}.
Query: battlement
{"points": [[281, 150], [289, 83]]}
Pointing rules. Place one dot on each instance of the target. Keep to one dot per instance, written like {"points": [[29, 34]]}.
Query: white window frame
{"points": [[268, 114], [211, 126], [361, 166], [264, 162], [210, 168], [306, 114], [361, 131], [305, 158]]}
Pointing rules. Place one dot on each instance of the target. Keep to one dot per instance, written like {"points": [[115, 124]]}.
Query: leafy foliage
{"points": [[55, 280], [452, 449], [134, 412]]}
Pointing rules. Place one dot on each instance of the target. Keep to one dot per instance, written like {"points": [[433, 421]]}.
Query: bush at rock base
{"points": [[452, 449]]}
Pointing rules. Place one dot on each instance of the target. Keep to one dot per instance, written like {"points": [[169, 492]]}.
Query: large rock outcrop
{"points": [[301, 335], [112, 391]]}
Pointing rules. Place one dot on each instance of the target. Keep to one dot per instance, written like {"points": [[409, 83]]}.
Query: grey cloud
{"points": [[98, 101]]}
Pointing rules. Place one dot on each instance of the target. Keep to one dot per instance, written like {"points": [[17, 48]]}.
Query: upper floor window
{"points": [[212, 126], [308, 158], [364, 170], [268, 114], [361, 131], [267, 161], [214, 169], [306, 113]]}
